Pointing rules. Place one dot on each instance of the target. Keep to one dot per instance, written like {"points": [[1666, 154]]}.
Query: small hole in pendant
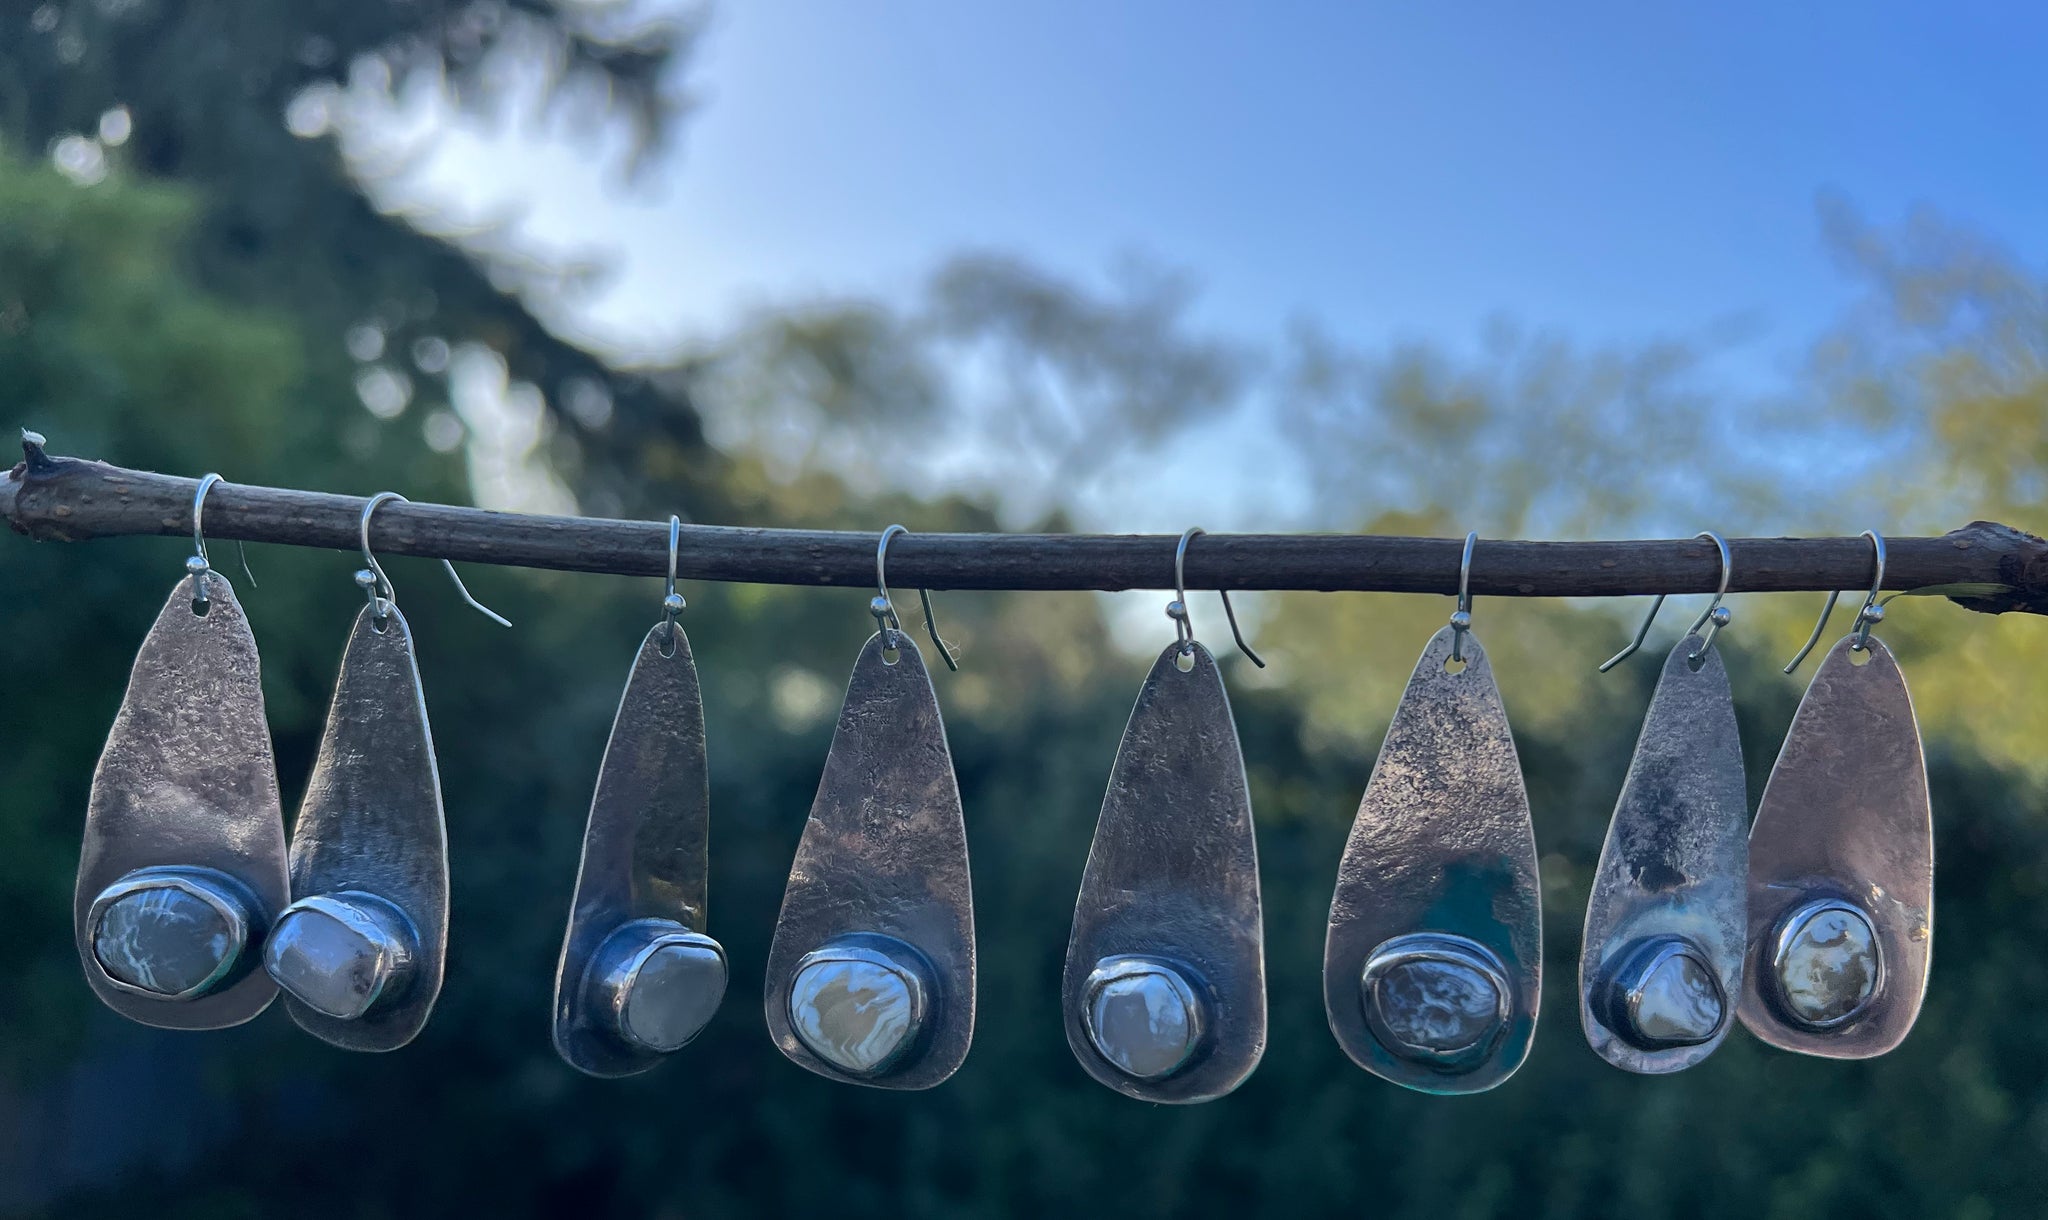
{"points": [[380, 625], [200, 608], [1859, 656], [1184, 662], [891, 655], [667, 648], [1453, 665]]}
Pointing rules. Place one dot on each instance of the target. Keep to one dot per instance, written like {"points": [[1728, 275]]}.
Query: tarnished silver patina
{"points": [[369, 855], [638, 978], [1667, 920], [1173, 882], [871, 973], [1433, 963], [1841, 867], [183, 864]]}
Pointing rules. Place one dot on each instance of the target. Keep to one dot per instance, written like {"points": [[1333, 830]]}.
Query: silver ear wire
{"points": [[377, 585], [884, 609], [672, 602], [1715, 614], [1869, 616], [1177, 609], [1461, 618]]}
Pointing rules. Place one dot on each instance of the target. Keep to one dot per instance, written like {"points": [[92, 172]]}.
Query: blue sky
{"points": [[1612, 170], [1397, 171]]}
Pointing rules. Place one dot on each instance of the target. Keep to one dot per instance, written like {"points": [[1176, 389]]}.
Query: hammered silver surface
{"points": [[1676, 859], [1846, 815], [187, 779], [371, 821], [1173, 874], [884, 852], [646, 846], [1442, 844]]}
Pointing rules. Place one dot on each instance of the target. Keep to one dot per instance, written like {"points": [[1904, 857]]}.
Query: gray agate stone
{"points": [[1436, 998], [856, 1008], [671, 994], [167, 936], [340, 954], [1679, 1004], [1142, 1016], [1827, 963]]}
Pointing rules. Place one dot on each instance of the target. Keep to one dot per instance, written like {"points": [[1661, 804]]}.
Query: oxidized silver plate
{"points": [[1661, 969], [360, 951], [183, 864], [871, 972], [638, 978], [1433, 965], [1165, 984], [1841, 868]]}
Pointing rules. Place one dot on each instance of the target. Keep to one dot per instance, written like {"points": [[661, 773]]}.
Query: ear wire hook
{"points": [[1869, 616], [377, 585], [884, 610], [1715, 613], [199, 565], [1177, 609], [1461, 618], [672, 604]]}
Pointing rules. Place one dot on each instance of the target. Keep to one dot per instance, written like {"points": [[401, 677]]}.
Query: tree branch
{"points": [[70, 499]]}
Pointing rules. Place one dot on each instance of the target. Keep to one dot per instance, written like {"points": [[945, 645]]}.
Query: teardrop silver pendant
{"points": [[1841, 867], [183, 865], [359, 953], [1433, 964], [1165, 984], [1668, 917], [871, 972], [638, 978]]}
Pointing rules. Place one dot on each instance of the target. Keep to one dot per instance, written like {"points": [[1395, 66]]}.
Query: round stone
{"points": [[672, 994], [166, 935], [1827, 964], [339, 954], [1142, 1016], [1438, 999], [858, 1009], [1665, 994]]}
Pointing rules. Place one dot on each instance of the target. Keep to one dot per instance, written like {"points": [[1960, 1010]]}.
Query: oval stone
{"points": [[1678, 1003], [855, 1013], [672, 995], [335, 957], [1144, 1018], [166, 939], [1828, 963], [1439, 1006]]}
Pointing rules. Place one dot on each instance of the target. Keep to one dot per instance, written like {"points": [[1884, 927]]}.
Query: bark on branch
{"points": [[70, 499]]}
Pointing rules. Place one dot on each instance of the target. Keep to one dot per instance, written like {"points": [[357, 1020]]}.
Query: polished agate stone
{"points": [[336, 957], [854, 1012], [1435, 998], [1827, 963], [166, 939], [1143, 1017], [671, 995], [1677, 1001]]}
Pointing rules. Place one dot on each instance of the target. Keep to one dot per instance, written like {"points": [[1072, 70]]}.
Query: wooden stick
{"points": [[70, 499]]}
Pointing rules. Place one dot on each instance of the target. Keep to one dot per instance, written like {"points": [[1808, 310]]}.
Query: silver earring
{"points": [[638, 978], [1668, 915], [359, 952], [1165, 983], [871, 972], [1841, 859], [183, 864], [1433, 963]]}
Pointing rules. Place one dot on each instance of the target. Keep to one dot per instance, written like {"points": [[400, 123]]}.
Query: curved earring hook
{"points": [[1177, 609], [884, 610], [1461, 618], [672, 603], [1869, 616], [199, 565], [1720, 616], [377, 585]]}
